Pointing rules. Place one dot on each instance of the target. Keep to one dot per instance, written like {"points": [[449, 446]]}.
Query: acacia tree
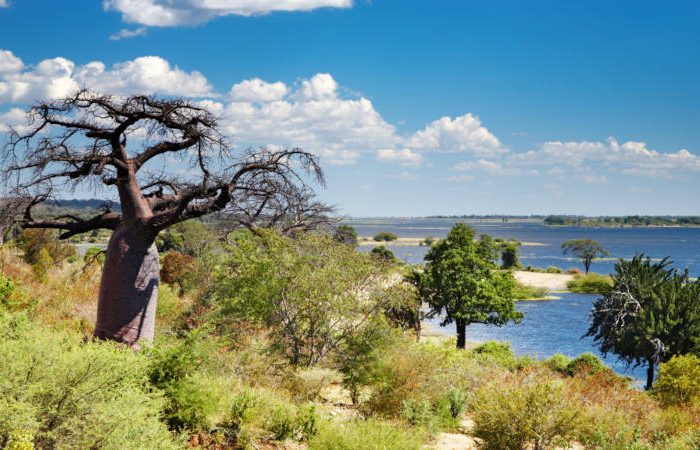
{"points": [[584, 249], [168, 162], [463, 282], [651, 313]]}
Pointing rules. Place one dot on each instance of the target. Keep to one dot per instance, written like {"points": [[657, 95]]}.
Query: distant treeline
{"points": [[623, 221]]}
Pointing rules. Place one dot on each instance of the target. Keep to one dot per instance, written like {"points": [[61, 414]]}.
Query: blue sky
{"points": [[415, 107]]}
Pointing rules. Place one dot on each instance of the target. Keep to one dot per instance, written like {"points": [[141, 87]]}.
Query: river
{"points": [[555, 326]]}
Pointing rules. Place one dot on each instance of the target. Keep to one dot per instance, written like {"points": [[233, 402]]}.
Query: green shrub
{"points": [[592, 283], [457, 402], [368, 434], [553, 269], [417, 412], [585, 364], [558, 363], [282, 421], [42, 264], [173, 369], [525, 292], [95, 255], [7, 287], [70, 394], [523, 413], [383, 253], [679, 381], [385, 236], [499, 352]]}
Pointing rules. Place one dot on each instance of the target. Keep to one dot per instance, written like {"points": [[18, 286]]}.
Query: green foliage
{"points": [[346, 234], [524, 292], [585, 364], [7, 288], [428, 242], [679, 381], [591, 283], [524, 413], [383, 253], [173, 369], [20, 440], [371, 434], [385, 236], [586, 250], [417, 412], [553, 269], [558, 363], [457, 400], [42, 264], [313, 292], [72, 394], [650, 314], [510, 258], [31, 241], [95, 254], [359, 356], [462, 281]]}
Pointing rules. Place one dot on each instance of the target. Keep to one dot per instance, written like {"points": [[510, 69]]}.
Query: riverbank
{"points": [[418, 242], [552, 282]]}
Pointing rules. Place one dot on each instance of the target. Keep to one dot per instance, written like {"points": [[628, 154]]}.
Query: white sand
{"points": [[549, 281]]}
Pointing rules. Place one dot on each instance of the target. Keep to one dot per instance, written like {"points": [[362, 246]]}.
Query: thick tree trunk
{"points": [[129, 289], [650, 375], [461, 333]]}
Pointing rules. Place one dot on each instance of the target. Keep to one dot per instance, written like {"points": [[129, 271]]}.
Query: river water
{"points": [[555, 326]]}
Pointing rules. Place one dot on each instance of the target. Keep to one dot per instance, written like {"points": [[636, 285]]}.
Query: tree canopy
{"points": [[585, 249], [462, 281], [651, 313]]}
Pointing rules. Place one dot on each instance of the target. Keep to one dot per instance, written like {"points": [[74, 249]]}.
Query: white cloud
{"points": [[405, 157], [586, 159], [256, 90], [14, 118], [126, 33], [461, 134], [58, 77], [165, 13], [492, 168], [4, 4], [9, 63], [313, 116]]}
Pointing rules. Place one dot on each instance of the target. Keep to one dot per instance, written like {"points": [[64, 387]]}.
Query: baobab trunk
{"points": [[129, 289]]}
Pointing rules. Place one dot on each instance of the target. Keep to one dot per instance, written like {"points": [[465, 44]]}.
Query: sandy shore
{"points": [[549, 281]]}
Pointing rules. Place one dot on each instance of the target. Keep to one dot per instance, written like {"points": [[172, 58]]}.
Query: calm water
{"points": [[555, 326]]}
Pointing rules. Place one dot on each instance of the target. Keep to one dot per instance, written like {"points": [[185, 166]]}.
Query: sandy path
{"points": [[549, 281]]}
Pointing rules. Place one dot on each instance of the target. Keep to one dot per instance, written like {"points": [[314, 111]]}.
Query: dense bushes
{"points": [[68, 394], [591, 283], [679, 381], [524, 411], [367, 435]]}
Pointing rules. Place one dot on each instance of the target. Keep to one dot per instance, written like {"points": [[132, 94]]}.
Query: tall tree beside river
{"points": [[650, 314], [463, 281]]}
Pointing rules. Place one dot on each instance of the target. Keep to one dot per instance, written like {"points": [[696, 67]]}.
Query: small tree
{"points": [[381, 252], [650, 314], [462, 280], [346, 234], [584, 249], [510, 259], [385, 236]]}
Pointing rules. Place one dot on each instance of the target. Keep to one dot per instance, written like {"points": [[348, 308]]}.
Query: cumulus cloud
{"points": [[4, 4], [14, 118], [313, 116], [256, 90], [58, 77], [461, 134], [9, 63], [126, 33], [405, 157], [492, 168], [164, 13]]}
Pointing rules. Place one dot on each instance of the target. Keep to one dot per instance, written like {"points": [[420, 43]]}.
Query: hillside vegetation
{"points": [[267, 341]]}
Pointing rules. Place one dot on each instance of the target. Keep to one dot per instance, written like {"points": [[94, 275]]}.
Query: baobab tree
{"points": [[168, 162]]}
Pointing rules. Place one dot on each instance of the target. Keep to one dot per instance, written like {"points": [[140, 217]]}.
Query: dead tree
{"points": [[177, 166]]}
